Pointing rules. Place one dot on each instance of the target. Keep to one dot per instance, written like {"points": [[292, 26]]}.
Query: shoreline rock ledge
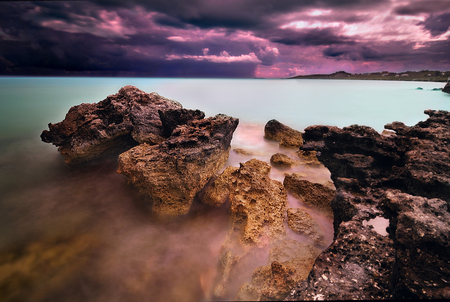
{"points": [[391, 212]]}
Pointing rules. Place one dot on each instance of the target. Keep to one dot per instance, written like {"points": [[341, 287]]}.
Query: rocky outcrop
{"points": [[391, 212], [446, 88], [288, 137], [257, 209], [116, 124], [172, 173]]}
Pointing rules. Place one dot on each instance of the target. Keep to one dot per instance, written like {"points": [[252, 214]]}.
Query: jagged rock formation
{"points": [[258, 209], [288, 137], [173, 172], [116, 124], [446, 88], [391, 212]]}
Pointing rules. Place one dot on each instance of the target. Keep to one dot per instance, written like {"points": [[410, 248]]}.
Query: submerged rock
{"points": [[116, 124], [288, 137], [173, 172], [315, 195], [258, 210], [403, 180], [282, 160], [302, 223]]}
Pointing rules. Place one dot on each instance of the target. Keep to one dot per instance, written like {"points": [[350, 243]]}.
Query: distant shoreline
{"points": [[420, 76]]}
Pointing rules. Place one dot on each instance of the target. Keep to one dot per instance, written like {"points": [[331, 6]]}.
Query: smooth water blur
{"points": [[83, 234]]}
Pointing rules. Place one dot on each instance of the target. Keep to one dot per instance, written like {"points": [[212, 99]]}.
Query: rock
{"points": [[422, 232], [302, 223], [309, 157], [290, 261], [403, 180], [116, 124], [172, 118], [217, 193], [173, 172], [316, 195], [245, 152], [282, 160], [288, 137], [257, 236], [446, 88]]}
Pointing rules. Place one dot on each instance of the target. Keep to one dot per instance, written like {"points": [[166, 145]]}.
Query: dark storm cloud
{"points": [[416, 7], [314, 36], [218, 38], [437, 24], [244, 14]]}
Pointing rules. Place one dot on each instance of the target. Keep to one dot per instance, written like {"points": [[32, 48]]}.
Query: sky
{"points": [[222, 38]]}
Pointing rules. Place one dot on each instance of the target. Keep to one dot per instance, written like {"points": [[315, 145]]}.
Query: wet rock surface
{"points": [[257, 243], [114, 125], [288, 137], [172, 173], [315, 195], [391, 212]]}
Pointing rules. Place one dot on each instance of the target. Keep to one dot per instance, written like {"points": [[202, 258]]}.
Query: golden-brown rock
{"points": [[316, 195], [288, 137], [302, 223], [258, 211], [173, 172]]}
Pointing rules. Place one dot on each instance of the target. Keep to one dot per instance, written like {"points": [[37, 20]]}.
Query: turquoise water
{"points": [[28, 104], [127, 256]]}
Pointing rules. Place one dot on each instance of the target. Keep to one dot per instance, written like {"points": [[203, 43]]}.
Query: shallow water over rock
{"points": [[88, 236]]}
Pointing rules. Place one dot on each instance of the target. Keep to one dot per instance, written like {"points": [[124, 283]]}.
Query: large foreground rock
{"points": [[172, 173], [391, 212], [257, 241], [116, 124]]}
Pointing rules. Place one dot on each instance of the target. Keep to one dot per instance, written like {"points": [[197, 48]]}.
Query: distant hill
{"points": [[424, 75]]}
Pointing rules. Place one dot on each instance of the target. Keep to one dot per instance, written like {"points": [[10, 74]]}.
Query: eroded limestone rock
{"points": [[316, 195], [302, 223], [288, 137], [403, 178], [257, 238], [116, 124], [173, 172]]}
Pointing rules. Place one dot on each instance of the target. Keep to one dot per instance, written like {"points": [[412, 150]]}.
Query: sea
{"points": [[83, 234]]}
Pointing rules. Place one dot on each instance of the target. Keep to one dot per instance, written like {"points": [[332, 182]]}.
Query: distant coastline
{"points": [[422, 76]]}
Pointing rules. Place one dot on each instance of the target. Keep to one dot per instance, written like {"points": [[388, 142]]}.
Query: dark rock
{"points": [[401, 182], [173, 172], [172, 118], [446, 88], [288, 137], [117, 123]]}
